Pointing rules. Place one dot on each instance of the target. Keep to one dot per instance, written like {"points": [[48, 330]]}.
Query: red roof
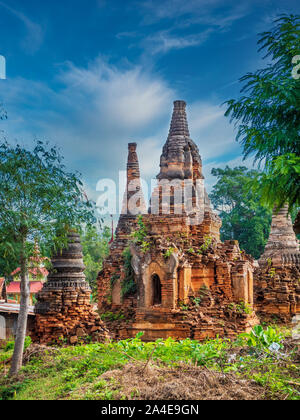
{"points": [[34, 271], [14, 287]]}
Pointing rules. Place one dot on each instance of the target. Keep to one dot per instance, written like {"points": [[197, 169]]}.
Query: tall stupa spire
{"points": [[180, 167], [133, 201], [180, 158], [179, 124]]}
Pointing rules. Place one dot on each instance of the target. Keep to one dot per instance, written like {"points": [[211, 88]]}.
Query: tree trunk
{"points": [[17, 357]]}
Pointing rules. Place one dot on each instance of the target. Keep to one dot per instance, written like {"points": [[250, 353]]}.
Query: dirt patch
{"points": [[38, 351], [180, 383]]}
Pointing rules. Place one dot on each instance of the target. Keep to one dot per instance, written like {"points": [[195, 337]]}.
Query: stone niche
{"points": [[157, 280]]}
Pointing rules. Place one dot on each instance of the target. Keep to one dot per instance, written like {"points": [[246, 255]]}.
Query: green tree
{"points": [[243, 217], [95, 248], [268, 114], [39, 200], [8, 259]]}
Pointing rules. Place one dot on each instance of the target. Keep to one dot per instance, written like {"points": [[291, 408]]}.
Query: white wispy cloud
{"points": [[164, 41], [219, 13], [102, 107], [127, 34], [97, 111], [34, 37], [203, 18], [170, 9]]}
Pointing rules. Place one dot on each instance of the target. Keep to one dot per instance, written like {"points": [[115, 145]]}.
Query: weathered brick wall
{"points": [[63, 309], [225, 272], [277, 292], [277, 279], [69, 316]]}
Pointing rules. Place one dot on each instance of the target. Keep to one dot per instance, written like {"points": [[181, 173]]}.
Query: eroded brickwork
{"points": [[277, 279], [63, 309]]}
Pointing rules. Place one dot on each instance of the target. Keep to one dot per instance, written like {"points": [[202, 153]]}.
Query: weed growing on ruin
{"points": [[202, 293], [145, 246], [204, 290], [272, 270], [183, 306], [112, 316], [196, 300], [138, 236], [141, 232], [128, 285], [240, 308], [113, 280], [204, 247], [244, 307], [169, 252]]}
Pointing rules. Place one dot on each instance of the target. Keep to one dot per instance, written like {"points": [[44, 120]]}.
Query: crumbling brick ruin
{"points": [[63, 309], [168, 274], [277, 279]]}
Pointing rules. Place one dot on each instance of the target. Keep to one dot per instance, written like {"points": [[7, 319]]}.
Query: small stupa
{"points": [[276, 280], [63, 309]]}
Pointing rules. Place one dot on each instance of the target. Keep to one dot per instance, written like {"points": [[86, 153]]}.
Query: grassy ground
{"points": [[131, 369]]}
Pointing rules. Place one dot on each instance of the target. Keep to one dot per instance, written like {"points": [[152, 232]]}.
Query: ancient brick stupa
{"points": [[63, 309], [168, 274], [277, 287], [126, 224]]}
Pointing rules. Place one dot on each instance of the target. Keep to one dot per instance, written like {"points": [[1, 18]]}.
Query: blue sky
{"points": [[91, 76]]}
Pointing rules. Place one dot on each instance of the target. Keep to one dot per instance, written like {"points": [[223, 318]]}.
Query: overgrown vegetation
{"points": [[95, 248], [206, 244], [140, 233], [264, 356], [138, 236], [242, 307], [128, 285], [112, 316], [169, 252]]}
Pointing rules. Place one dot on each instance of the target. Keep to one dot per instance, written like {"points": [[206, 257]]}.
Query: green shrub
{"points": [[10, 345], [139, 235], [169, 252], [128, 285], [262, 338]]}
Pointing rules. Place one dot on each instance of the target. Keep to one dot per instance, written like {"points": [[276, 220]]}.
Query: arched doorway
{"points": [[156, 288]]}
